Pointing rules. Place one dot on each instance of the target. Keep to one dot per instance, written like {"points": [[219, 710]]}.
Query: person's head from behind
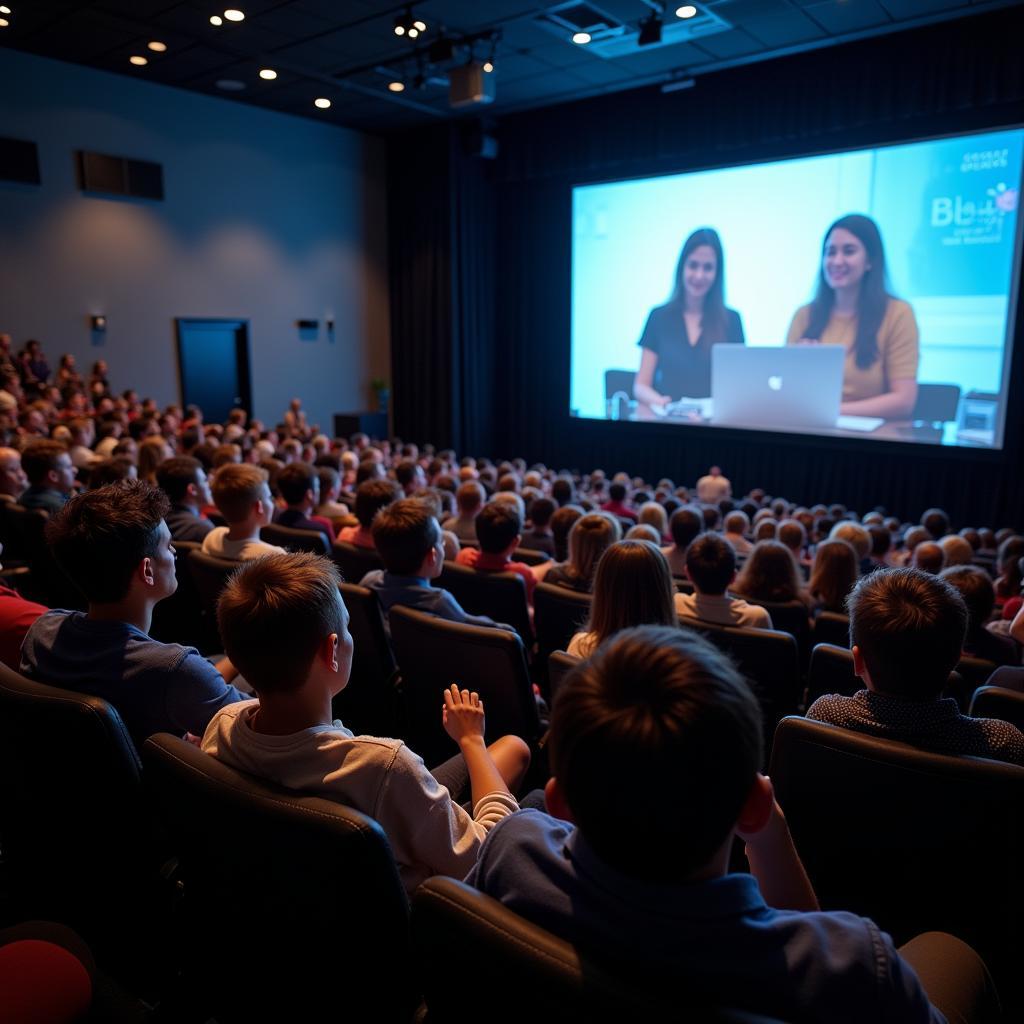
{"points": [[881, 541], [499, 528], [957, 550], [711, 564], [410, 477], [563, 491], [769, 574], [153, 450], [700, 283], [372, 496], [617, 492], [290, 597], [652, 513], [833, 574], [791, 532], [110, 471], [408, 539], [975, 587], [13, 480], [242, 495], [929, 557], [657, 735], [330, 483], [855, 535], [737, 523], [914, 536], [469, 499], [588, 539], [765, 530], [299, 485], [183, 480], [47, 464], [113, 543], [907, 631], [369, 469], [541, 511], [685, 525], [936, 522], [643, 531], [632, 587], [562, 523]]}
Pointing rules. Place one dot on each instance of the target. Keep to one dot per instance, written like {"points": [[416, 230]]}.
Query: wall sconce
{"points": [[98, 323]]}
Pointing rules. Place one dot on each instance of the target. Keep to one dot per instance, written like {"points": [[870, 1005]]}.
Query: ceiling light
{"points": [[234, 15], [322, 102], [488, 66], [396, 86], [268, 74], [399, 27], [5, 10], [686, 11], [139, 62], [408, 25], [4, 23], [216, 19], [413, 32], [157, 47], [420, 26], [581, 38]]}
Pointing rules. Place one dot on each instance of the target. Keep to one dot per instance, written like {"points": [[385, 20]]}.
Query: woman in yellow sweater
{"points": [[854, 308]]}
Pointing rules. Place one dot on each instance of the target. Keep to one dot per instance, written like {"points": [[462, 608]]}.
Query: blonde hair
{"points": [[589, 537], [652, 513]]}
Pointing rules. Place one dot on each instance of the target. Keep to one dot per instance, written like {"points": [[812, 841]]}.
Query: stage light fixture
{"points": [[408, 25], [5, 10], [686, 11], [413, 32], [233, 14], [650, 30], [139, 62], [4, 23], [396, 86], [581, 38], [322, 102], [488, 66], [157, 47], [216, 19], [268, 74]]}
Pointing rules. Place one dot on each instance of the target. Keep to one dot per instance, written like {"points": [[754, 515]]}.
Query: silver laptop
{"points": [[777, 386]]}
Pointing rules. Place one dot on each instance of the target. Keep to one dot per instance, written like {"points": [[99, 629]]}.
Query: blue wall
{"points": [[266, 217]]}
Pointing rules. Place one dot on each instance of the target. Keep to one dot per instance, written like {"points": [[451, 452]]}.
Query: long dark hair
{"points": [[874, 290], [712, 321], [632, 587]]}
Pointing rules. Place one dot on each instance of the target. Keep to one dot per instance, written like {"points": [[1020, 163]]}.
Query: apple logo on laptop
{"points": [[775, 383]]}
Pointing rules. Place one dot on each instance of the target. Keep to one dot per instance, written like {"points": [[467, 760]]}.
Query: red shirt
{"points": [[358, 536], [620, 509], [16, 616], [483, 562]]}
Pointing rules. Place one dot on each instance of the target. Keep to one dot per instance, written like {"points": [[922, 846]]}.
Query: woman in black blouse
{"points": [[678, 338]]}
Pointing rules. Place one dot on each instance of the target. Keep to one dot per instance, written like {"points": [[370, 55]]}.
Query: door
{"points": [[213, 366]]}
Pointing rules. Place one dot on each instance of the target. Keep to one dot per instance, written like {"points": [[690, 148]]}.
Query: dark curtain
{"points": [[939, 80]]}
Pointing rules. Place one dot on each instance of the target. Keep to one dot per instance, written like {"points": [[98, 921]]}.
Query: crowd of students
{"points": [[655, 741]]}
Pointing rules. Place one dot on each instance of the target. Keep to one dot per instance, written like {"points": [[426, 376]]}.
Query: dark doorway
{"points": [[213, 366]]}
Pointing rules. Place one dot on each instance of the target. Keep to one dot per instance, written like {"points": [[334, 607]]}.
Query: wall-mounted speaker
{"points": [[119, 176], [19, 161]]}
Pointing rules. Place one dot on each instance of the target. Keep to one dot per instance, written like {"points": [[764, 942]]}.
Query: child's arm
{"points": [[463, 717], [776, 865]]}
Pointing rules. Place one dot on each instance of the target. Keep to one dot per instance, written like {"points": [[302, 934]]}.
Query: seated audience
{"points": [[329, 507], [538, 535], [16, 617], [936, 522], [563, 491], [684, 526], [562, 523], [793, 534], [242, 496], [907, 631], [410, 477], [736, 528], [83, 435], [833, 575], [50, 473], [469, 499], [499, 531], [110, 471], [655, 748], [617, 503], [929, 557], [153, 450], [711, 567], [589, 537], [12, 477], [643, 531], [299, 485], [914, 536], [1009, 574], [979, 596], [652, 513], [857, 536], [770, 573], [410, 543], [632, 587], [290, 736], [183, 480], [115, 547], [371, 497], [957, 550]]}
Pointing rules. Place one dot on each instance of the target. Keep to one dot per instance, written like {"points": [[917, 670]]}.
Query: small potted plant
{"points": [[383, 393]]}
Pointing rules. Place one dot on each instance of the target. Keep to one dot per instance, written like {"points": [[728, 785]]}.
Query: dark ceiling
{"points": [[347, 50]]}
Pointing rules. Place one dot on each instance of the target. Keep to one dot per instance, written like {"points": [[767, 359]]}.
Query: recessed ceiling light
{"points": [[581, 38], [216, 19], [230, 84], [157, 47], [413, 32], [419, 25], [268, 74], [232, 14], [138, 61], [4, 23], [322, 102], [488, 66], [5, 10], [396, 86], [686, 11]]}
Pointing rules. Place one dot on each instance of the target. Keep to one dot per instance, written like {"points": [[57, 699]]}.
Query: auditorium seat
{"points": [[970, 673], [791, 617], [995, 702], [432, 653], [831, 628], [295, 540], [528, 556], [831, 671], [47, 583], [558, 613], [560, 664], [353, 561], [369, 704], [914, 840], [292, 905], [518, 971], [209, 574], [501, 595], [78, 845], [179, 619]]}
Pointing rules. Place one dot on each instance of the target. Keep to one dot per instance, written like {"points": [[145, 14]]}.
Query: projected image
{"points": [[866, 294]]}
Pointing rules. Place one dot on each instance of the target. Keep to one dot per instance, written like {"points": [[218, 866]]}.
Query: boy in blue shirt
{"points": [[655, 744]]}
